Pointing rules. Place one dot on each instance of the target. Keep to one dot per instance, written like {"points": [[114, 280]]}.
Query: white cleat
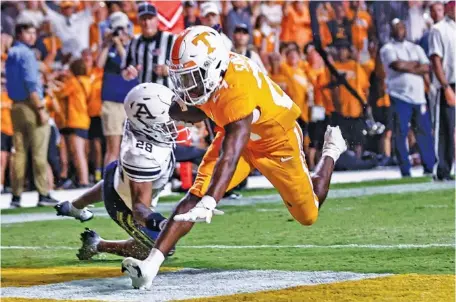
{"points": [[66, 208], [334, 144], [141, 273]]}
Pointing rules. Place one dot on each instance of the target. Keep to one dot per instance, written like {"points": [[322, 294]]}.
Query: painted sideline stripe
{"points": [[303, 246]]}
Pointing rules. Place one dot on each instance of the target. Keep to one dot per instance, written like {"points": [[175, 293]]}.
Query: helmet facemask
{"points": [[162, 133], [193, 84]]}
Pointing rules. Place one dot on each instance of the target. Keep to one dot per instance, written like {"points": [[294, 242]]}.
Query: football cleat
{"points": [[141, 273], [67, 209], [90, 240], [334, 144]]}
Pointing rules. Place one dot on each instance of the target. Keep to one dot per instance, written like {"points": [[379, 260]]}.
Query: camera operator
{"points": [[114, 87]]}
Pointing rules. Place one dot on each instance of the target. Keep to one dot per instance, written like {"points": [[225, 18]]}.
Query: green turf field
{"points": [[255, 192], [390, 219]]}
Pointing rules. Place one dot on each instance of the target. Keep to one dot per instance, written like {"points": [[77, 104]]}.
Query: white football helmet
{"points": [[199, 60], [147, 107]]}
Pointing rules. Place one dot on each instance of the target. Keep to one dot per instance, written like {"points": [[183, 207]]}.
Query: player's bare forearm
{"points": [[237, 135], [322, 178], [141, 196], [95, 194], [438, 70]]}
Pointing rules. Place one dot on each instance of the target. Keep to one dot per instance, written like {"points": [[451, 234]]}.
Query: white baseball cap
{"points": [[209, 8], [118, 19]]}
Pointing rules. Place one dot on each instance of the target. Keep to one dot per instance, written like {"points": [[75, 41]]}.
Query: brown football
{"points": [[190, 115]]}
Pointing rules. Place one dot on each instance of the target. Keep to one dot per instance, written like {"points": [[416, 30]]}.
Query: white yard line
{"points": [[265, 246]]}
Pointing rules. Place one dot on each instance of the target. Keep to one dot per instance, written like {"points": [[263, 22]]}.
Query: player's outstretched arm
{"points": [[237, 135], [141, 193]]}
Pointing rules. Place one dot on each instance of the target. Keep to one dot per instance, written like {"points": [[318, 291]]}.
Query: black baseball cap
{"points": [[145, 8], [241, 27]]}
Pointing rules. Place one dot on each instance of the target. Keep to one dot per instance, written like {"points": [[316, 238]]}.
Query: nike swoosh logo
{"points": [[284, 159]]}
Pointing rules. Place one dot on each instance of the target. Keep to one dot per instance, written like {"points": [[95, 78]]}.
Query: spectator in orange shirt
{"points": [[320, 112], [349, 109], [298, 85], [275, 61], [73, 98], [296, 23], [94, 110], [264, 37], [6, 134]]}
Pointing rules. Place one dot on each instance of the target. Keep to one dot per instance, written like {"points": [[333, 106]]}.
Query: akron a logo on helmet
{"points": [[147, 107], [199, 60]]}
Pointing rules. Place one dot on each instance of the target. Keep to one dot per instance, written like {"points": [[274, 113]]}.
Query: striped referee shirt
{"points": [[150, 52]]}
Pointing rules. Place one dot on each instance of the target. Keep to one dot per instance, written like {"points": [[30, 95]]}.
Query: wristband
{"points": [[154, 220]]}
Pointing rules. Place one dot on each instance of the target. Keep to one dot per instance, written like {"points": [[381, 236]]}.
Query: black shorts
{"points": [[121, 214], [352, 129], [385, 116], [76, 131], [96, 128], [7, 142], [317, 133], [304, 127]]}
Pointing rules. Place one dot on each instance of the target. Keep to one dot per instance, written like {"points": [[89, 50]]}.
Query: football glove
{"points": [[202, 212]]}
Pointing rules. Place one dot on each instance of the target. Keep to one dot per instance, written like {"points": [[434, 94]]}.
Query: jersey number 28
{"points": [[144, 146]]}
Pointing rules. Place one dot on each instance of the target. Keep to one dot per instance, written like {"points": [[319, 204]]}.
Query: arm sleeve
{"points": [[422, 56], [435, 43], [387, 56], [29, 68]]}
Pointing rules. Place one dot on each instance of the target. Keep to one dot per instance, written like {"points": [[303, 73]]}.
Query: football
{"points": [[184, 113]]}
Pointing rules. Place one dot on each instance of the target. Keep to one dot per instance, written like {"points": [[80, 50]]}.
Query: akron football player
{"points": [[131, 185], [259, 131]]}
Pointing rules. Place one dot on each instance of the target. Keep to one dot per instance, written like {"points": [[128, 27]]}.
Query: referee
{"points": [[148, 52]]}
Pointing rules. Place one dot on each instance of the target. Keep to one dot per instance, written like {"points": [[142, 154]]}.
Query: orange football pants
{"points": [[285, 167]]}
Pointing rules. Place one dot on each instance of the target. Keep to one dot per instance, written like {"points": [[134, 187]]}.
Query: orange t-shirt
{"points": [[94, 102], [357, 78], [262, 42], [6, 104], [320, 78], [73, 98], [362, 22], [296, 26], [298, 89]]}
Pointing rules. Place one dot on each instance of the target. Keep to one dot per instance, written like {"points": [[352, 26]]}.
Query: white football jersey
{"points": [[142, 161]]}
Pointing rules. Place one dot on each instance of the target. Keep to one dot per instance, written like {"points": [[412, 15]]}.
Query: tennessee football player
{"points": [[259, 130]]}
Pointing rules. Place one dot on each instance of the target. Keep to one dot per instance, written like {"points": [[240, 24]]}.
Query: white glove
{"points": [[334, 144], [202, 212]]}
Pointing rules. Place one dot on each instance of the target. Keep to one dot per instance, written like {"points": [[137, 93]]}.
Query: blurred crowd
{"points": [[79, 47]]}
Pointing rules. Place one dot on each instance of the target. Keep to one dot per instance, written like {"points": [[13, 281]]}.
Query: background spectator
{"points": [[73, 98], [241, 45], [6, 133], [406, 64], [442, 47], [71, 27], [349, 109], [296, 23], [29, 115], [190, 14], [240, 13], [210, 16], [114, 86]]}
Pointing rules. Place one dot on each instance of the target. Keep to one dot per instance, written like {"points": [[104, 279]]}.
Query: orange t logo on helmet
{"points": [[203, 38]]}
